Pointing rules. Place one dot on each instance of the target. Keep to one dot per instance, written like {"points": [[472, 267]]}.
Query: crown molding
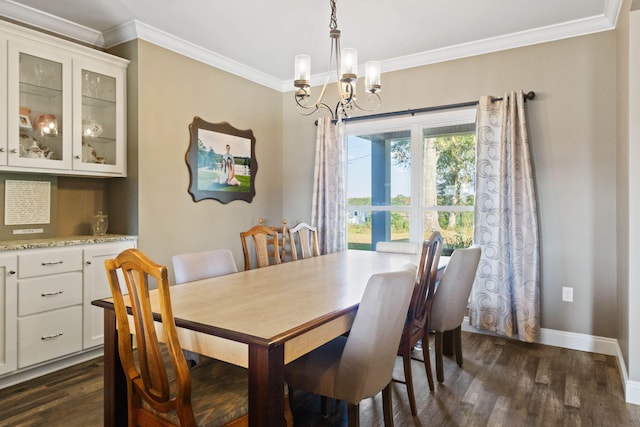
{"points": [[45, 21], [140, 30], [135, 29], [604, 22]]}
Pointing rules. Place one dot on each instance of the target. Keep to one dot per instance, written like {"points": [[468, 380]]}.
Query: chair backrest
{"points": [[282, 240], [306, 242], [452, 296], [262, 239], [366, 364], [148, 379], [425, 284], [397, 247], [192, 266]]}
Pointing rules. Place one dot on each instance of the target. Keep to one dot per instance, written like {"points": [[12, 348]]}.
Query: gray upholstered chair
{"points": [[192, 266], [360, 366], [451, 300]]}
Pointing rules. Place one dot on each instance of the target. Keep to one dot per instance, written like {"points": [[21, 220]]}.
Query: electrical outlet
{"points": [[567, 294]]}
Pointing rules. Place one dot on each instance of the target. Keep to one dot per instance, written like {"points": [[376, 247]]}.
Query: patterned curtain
{"points": [[506, 294], [328, 212]]}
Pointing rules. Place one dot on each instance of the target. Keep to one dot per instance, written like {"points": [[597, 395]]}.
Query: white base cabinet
{"points": [[96, 286], [8, 313], [46, 313]]}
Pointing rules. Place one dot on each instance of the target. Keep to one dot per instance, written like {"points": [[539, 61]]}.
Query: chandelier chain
{"points": [[333, 23]]}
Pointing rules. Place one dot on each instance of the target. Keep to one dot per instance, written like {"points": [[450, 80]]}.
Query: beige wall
{"points": [[573, 137], [171, 90]]}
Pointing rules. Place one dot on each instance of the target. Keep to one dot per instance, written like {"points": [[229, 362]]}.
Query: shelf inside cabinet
{"points": [[39, 91], [89, 101]]}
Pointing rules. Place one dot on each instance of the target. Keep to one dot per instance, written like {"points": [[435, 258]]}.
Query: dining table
{"points": [[259, 319]]}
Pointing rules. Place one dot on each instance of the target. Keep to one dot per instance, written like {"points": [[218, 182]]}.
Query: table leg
{"points": [[266, 386], [115, 386]]}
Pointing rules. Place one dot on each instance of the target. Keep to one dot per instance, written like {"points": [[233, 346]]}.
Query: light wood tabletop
{"points": [[261, 319]]}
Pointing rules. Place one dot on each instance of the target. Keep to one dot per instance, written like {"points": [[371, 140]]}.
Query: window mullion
{"points": [[415, 215]]}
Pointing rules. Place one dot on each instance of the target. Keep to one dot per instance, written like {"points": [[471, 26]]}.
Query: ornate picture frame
{"points": [[221, 161]]}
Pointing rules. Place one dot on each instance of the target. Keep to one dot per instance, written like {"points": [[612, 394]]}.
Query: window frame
{"points": [[416, 125]]}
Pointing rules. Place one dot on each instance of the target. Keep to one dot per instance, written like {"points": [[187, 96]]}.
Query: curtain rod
{"points": [[527, 96]]}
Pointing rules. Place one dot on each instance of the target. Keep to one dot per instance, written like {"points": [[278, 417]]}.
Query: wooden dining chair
{"points": [[451, 300], [361, 365], [260, 247], [416, 327], [163, 392], [191, 266], [303, 238]]}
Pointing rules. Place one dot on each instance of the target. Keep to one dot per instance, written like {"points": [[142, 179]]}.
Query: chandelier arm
{"points": [[302, 110], [369, 95]]}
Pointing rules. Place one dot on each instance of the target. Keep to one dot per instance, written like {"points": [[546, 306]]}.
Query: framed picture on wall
{"points": [[221, 161]]}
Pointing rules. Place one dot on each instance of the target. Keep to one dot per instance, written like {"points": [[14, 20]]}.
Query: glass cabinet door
{"points": [[39, 108], [99, 118]]}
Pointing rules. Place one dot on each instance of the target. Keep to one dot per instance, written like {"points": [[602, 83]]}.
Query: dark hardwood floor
{"points": [[502, 383]]}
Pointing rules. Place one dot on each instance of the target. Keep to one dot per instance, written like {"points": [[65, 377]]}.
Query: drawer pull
{"points": [[52, 262], [48, 294], [50, 337]]}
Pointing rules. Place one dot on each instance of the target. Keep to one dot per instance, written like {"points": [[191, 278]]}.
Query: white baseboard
{"points": [[582, 342], [632, 392]]}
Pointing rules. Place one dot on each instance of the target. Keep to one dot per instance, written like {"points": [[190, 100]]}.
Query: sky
{"points": [[359, 171]]}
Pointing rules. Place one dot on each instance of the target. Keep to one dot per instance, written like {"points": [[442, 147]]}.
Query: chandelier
{"points": [[346, 63]]}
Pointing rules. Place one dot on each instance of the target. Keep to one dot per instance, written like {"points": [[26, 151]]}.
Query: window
{"points": [[407, 177]]}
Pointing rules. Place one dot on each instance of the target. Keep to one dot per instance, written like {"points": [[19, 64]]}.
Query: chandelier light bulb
{"points": [[349, 65], [302, 69], [372, 76]]}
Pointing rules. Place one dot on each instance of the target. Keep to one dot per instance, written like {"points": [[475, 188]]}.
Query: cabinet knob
{"points": [[77, 157], [13, 150], [12, 272], [88, 262], [1, 150]]}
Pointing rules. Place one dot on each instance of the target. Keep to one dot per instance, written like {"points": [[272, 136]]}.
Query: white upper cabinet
{"points": [[39, 107], [99, 128], [64, 109]]}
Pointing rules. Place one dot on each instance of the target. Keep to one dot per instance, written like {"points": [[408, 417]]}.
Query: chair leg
{"points": [[427, 359], [353, 414], [288, 415], [387, 406], [324, 407], [408, 378], [439, 367], [457, 339]]}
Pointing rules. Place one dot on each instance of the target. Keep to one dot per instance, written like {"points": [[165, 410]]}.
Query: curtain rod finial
{"points": [[530, 95]]}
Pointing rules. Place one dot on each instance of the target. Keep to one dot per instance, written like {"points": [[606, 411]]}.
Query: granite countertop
{"points": [[52, 242]]}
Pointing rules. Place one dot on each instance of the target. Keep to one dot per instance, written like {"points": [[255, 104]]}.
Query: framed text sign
{"points": [[221, 161]]}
